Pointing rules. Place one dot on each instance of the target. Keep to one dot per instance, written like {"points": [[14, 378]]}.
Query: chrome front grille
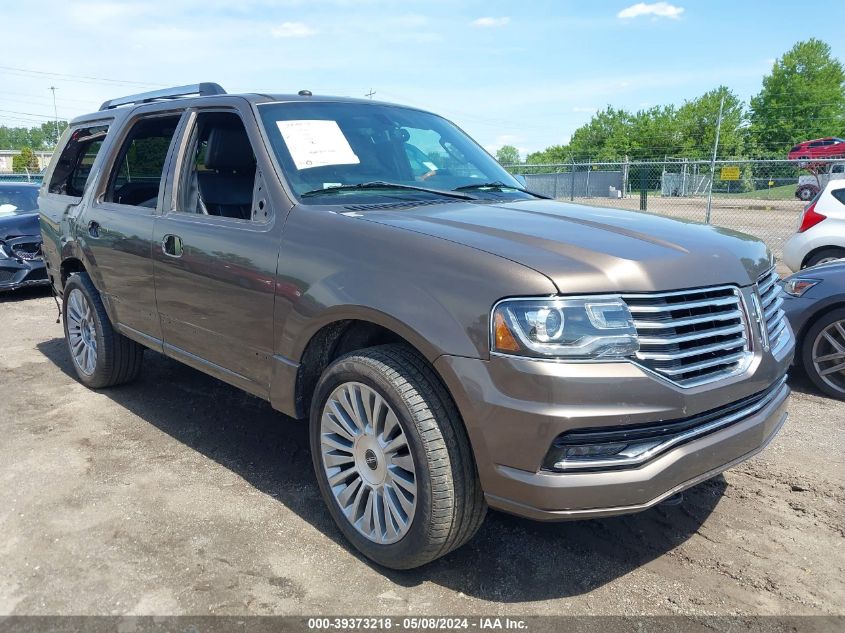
{"points": [[771, 303], [691, 336]]}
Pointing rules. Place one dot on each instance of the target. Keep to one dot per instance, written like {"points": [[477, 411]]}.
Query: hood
{"points": [[592, 249], [17, 224]]}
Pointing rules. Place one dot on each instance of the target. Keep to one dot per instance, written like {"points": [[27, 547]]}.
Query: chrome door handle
{"points": [[171, 245]]}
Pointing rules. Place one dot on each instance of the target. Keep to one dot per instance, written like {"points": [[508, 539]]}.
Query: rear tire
{"points": [[807, 193], [101, 356], [448, 505], [824, 256]]}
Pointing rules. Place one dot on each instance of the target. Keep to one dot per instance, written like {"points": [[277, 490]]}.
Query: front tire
{"points": [[823, 353], [101, 356], [392, 458]]}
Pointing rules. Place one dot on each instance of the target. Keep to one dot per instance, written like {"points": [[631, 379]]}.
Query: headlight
{"points": [[583, 328], [799, 285]]}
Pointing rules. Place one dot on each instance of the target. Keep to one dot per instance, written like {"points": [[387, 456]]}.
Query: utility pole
{"points": [[55, 113], [370, 94], [713, 161]]}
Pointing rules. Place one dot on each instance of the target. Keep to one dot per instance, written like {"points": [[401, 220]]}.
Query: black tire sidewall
{"points": [[83, 283], [825, 253], [807, 343], [394, 555]]}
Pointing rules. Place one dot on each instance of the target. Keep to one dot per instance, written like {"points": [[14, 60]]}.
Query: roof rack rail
{"points": [[204, 89]]}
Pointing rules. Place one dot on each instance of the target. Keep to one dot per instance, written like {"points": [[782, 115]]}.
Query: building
{"points": [[7, 155]]}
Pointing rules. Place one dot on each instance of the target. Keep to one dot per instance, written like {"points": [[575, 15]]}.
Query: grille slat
{"points": [[772, 303], [681, 305], [692, 336], [654, 325], [683, 338]]}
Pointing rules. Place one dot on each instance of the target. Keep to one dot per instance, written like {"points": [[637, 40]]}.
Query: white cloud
{"points": [[292, 29], [490, 22], [655, 9]]}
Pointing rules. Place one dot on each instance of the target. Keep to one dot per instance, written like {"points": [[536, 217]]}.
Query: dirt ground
{"points": [[181, 495]]}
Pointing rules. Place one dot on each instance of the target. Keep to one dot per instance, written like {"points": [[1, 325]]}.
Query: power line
{"points": [[82, 78]]}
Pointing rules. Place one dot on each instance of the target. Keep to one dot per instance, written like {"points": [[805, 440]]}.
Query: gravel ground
{"points": [[181, 495]]}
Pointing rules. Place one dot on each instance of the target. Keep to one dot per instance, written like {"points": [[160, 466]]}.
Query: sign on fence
{"points": [[729, 173]]}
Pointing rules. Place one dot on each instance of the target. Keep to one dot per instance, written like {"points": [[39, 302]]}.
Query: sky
{"points": [[520, 73]]}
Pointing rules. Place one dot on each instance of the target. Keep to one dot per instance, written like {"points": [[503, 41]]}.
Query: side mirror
{"points": [[521, 180]]}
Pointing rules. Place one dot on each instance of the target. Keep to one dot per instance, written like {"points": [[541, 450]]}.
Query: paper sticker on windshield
{"points": [[316, 143]]}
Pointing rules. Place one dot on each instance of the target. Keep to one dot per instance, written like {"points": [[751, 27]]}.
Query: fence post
{"points": [[643, 190], [587, 179], [572, 181]]}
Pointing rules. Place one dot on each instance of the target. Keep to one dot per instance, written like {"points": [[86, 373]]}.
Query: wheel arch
{"points": [[818, 249], [340, 335]]}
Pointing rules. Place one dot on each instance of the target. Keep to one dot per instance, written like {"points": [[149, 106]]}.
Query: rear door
{"points": [[116, 230], [216, 250]]}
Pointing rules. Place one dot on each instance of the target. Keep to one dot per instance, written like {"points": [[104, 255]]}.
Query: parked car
{"points": [[815, 306], [454, 340], [21, 264], [809, 185], [820, 237], [828, 147]]}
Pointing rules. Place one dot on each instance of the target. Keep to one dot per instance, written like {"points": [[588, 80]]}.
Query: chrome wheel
{"points": [[829, 355], [827, 260], [368, 463], [81, 332]]}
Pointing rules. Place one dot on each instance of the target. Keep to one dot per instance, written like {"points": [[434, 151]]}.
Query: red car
{"points": [[818, 148]]}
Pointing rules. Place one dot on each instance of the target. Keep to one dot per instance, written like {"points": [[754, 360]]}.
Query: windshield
{"points": [[18, 199], [326, 146]]}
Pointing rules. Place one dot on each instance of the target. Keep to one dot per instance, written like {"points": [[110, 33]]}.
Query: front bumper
{"points": [[515, 408], [16, 273]]}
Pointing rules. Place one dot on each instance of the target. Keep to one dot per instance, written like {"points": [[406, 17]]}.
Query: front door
{"points": [[215, 253]]}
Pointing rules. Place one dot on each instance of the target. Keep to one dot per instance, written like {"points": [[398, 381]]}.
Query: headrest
{"points": [[229, 150]]}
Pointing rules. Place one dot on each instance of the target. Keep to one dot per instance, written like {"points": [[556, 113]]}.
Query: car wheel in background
{"points": [[392, 458], [101, 356], [807, 193], [823, 353], [825, 256]]}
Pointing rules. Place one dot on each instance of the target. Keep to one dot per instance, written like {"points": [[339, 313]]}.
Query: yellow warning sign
{"points": [[729, 173]]}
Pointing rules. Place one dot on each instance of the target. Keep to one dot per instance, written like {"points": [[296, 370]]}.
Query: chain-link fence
{"points": [[24, 177], [761, 197]]}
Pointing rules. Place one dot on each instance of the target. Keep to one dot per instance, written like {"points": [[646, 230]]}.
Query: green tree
{"points": [[507, 155], [802, 98], [25, 161], [696, 122]]}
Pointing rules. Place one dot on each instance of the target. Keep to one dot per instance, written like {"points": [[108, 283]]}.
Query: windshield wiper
{"points": [[499, 185], [378, 184]]}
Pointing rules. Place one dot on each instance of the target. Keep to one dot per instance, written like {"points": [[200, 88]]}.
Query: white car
{"points": [[821, 233]]}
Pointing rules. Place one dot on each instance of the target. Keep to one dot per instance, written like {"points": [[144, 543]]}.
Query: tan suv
{"points": [[454, 340]]}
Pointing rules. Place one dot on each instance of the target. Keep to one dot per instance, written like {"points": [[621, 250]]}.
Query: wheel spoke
{"points": [[836, 345], [404, 482], [403, 461], [829, 357], [343, 418], [831, 370], [395, 444], [349, 492], [334, 441], [331, 422]]}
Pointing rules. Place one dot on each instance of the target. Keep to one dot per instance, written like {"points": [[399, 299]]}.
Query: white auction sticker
{"points": [[314, 143]]}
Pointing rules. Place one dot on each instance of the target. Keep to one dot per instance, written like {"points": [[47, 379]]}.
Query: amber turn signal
{"points": [[504, 339]]}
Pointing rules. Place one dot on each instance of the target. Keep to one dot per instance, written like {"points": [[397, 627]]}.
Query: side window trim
{"points": [[116, 150], [108, 123], [182, 161]]}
